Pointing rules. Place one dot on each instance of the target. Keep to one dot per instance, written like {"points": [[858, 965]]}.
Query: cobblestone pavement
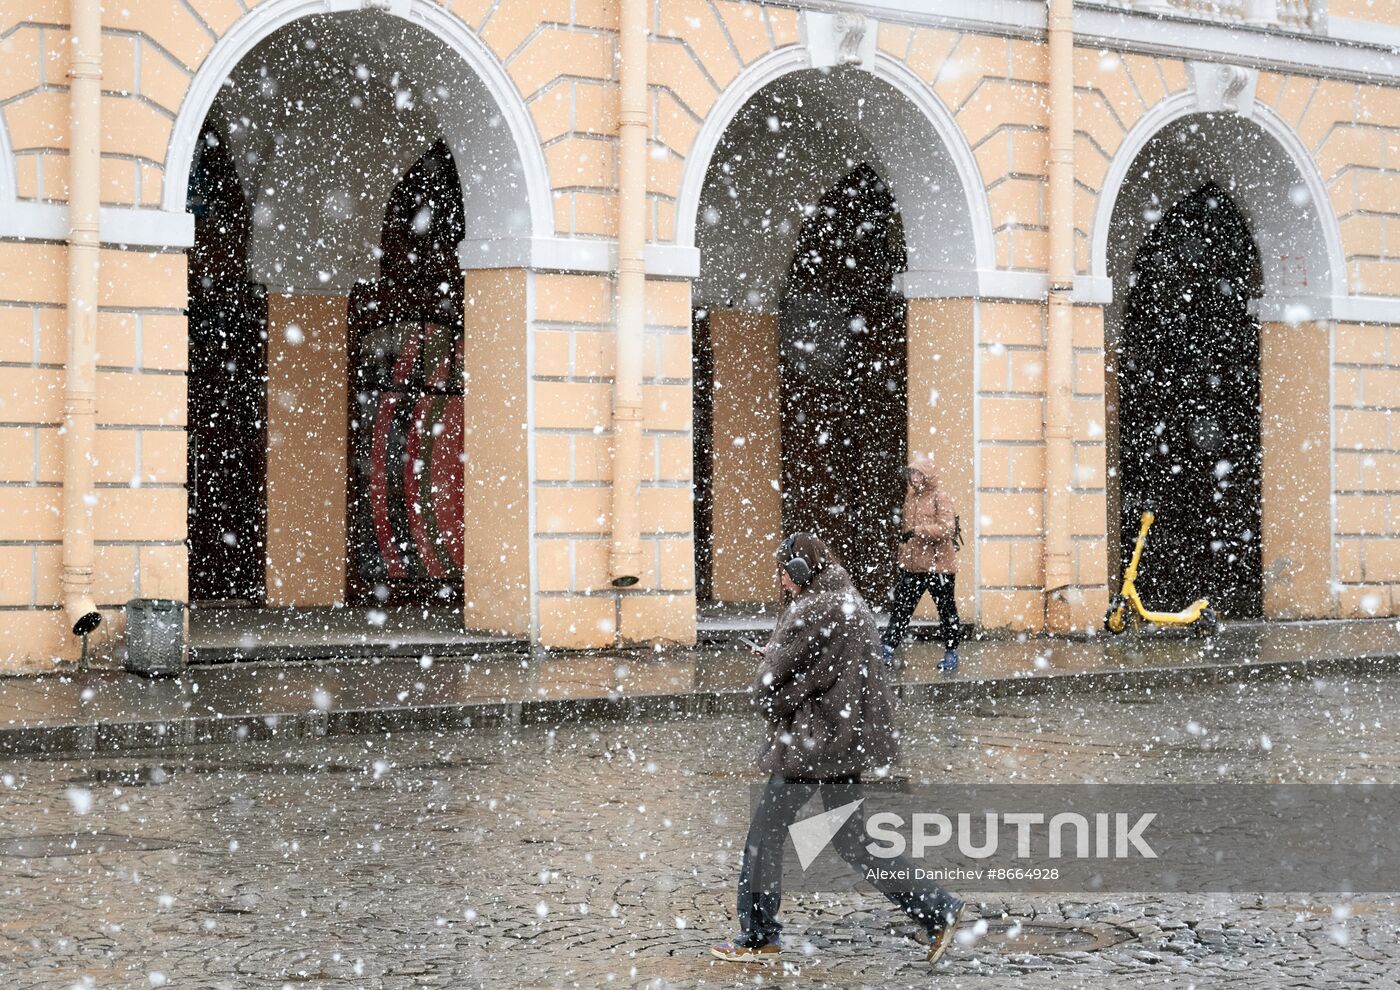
{"points": [[605, 855]]}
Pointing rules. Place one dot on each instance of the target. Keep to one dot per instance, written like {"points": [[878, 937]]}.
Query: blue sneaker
{"points": [[949, 663], [887, 652]]}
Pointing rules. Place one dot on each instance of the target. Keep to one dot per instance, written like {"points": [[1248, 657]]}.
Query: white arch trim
{"points": [[1185, 104], [8, 180], [795, 58], [22, 220], [914, 89], [27, 220], [271, 15], [765, 70]]}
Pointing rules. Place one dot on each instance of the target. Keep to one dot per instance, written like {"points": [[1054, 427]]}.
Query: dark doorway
{"points": [[226, 468], [1188, 372], [843, 379], [405, 508], [702, 360]]}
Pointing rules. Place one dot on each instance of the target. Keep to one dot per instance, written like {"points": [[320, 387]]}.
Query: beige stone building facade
{"points": [[297, 125]]}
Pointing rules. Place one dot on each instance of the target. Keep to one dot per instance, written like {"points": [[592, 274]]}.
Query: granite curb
{"points": [[113, 736]]}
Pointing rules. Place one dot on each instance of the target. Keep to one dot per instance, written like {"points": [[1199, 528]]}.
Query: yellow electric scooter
{"points": [[1126, 609]]}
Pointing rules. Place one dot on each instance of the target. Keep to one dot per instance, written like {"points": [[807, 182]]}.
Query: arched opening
{"points": [[348, 155], [824, 187], [1189, 407], [1250, 366], [843, 379]]}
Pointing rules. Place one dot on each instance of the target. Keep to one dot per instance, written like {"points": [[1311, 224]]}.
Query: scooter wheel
{"points": [[1207, 624], [1115, 620]]}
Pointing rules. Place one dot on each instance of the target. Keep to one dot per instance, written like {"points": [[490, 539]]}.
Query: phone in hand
{"points": [[753, 647]]}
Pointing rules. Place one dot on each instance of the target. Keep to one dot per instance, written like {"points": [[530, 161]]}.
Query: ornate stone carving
{"points": [[850, 32], [1223, 88], [838, 39]]}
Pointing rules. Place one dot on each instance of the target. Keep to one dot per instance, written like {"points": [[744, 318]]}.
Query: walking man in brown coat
{"points": [[830, 715], [928, 561]]}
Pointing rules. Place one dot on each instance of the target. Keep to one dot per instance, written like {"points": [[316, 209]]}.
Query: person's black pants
{"points": [[761, 873], [907, 595]]}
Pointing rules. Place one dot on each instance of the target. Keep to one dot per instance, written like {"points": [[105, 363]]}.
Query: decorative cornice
{"points": [[1350, 49]]}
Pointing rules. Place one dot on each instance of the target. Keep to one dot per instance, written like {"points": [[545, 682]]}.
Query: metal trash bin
{"points": [[155, 636]]}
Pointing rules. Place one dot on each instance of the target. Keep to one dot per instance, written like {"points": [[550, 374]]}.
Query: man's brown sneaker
{"points": [[763, 954], [941, 937]]}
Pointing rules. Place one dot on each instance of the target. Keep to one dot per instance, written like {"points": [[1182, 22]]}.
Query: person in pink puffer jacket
{"points": [[928, 561]]}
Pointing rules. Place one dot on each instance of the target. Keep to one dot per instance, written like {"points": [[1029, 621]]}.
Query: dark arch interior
{"points": [[424, 222], [1189, 415], [227, 442], [405, 332], [843, 379], [405, 506]]}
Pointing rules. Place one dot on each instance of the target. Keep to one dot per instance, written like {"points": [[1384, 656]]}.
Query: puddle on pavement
{"points": [[77, 844], [1049, 937]]}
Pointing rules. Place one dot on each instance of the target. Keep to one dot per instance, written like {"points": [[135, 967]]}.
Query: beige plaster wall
{"points": [[574, 340], [495, 475], [1376, 11], [747, 466], [942, 340], [1011, 451], [1295, 427], [139, 450], [1366, 411], [307, 469]]}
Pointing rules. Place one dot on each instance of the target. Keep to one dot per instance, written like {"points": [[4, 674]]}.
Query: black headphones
{"points": [[797, 568]]}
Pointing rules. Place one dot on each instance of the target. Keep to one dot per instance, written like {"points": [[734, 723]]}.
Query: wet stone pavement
{"points": [[103, 709], [605, 855]]}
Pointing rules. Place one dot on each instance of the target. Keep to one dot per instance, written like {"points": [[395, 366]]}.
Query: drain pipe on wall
{"points": [[1059, 347], [80, 382], [626, 550]]}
